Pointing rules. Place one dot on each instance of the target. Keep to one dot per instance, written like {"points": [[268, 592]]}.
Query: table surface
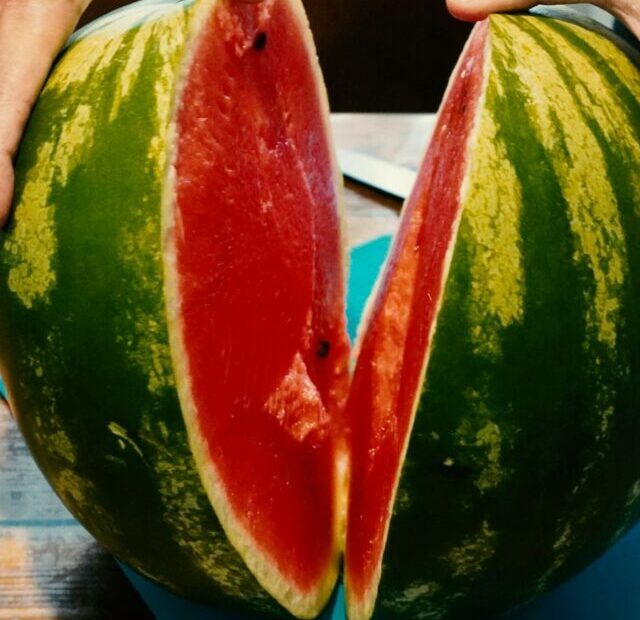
{"points": [[50, 567]]}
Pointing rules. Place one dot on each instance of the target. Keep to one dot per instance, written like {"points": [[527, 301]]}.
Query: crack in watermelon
{"points": [[297, 405]]}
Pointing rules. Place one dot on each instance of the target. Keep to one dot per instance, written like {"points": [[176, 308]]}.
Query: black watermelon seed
{"points": [[260, 41], [323, 348]]}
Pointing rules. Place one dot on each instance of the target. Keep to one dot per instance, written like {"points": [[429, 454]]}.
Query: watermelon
{"points": [[494, 412], [177, 239], [172, 330]]}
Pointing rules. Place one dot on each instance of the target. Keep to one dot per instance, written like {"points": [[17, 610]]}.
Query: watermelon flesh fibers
{"points": [[259, 290]]}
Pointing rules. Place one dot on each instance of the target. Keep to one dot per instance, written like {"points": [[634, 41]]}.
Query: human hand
{"points": [[32, 32], [627, 11]]}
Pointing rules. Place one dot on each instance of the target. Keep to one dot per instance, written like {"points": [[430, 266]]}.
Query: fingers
{"points": [[31, 34], [627, 11], [475, 10], [6, 185]]}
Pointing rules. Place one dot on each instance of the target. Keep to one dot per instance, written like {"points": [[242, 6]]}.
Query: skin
{"points": [[627, 11], [32, 32]]}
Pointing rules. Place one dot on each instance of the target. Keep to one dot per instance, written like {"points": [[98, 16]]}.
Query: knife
{"points": [[377, 173]]}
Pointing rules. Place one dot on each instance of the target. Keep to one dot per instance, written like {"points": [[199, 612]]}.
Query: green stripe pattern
{"points": [[523, 463], [98, 406]]}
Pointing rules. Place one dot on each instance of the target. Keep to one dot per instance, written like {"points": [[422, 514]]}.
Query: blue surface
{"points": [[167, 606], [365, 262], [609, 589]]}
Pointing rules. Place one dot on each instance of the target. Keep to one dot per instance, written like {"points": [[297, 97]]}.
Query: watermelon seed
{"points": [[260, 41], [323, 348]]}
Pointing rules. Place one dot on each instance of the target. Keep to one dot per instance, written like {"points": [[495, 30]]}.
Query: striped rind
{"points": [[521, 466], [98, 406], [127, 17]]}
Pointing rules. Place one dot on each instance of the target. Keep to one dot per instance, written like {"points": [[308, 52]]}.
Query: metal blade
{"points": [[377, 173]]}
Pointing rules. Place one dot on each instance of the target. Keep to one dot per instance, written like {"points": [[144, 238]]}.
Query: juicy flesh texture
{"points": [[390, 364], [260, 281]]}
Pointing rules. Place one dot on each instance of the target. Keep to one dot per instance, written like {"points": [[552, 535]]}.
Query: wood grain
{"points": [[50, 567], [399, 138]]}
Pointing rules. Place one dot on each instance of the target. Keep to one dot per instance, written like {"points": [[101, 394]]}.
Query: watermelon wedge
{"points": [[493, 413], [262, 363], [183, 149]]}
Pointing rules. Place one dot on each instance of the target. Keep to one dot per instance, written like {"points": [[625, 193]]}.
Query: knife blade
{"points": [[377, 173]]}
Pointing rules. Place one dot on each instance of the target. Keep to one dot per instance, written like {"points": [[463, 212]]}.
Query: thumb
{"points": [[31, 34], [6, 185], [628, 11], [475, 10]]}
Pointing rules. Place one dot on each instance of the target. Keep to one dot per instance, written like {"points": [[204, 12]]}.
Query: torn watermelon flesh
{"points": [[260, 281], [389, 371]]}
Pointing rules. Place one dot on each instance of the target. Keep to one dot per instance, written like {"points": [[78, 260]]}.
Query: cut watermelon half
{"points": [[395, 340], [256, 293]]}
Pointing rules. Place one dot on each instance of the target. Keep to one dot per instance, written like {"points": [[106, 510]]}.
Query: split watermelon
{"points": [[172, 329]]}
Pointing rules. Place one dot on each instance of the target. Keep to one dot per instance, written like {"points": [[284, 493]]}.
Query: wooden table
{"points": [[50, 567]]}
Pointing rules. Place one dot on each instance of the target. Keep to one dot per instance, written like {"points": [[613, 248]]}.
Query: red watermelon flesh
{"points": [[393, 350], [257, 267]]}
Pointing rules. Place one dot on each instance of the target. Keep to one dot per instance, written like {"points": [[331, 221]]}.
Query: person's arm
{"points": [[32, 32], [627, 11]]}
